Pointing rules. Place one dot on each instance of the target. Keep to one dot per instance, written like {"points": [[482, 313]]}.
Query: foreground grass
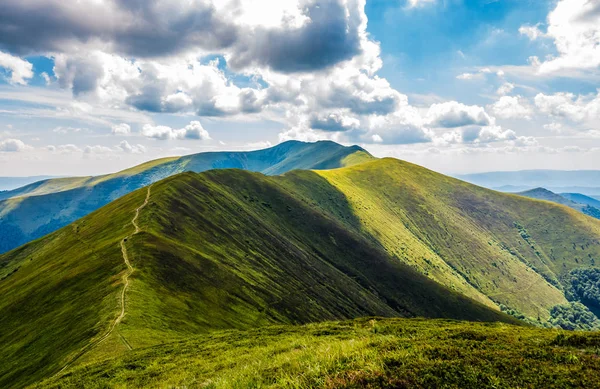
{"points": [[371, 353]]}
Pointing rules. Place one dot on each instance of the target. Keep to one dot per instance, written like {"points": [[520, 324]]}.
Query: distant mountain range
{"points": [[39, 208], [586, 182]]}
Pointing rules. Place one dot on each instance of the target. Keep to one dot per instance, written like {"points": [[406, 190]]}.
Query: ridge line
{"points": [[130, 270]]}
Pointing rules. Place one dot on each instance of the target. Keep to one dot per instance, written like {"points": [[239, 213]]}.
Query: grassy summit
{"points": [[236, 250]]}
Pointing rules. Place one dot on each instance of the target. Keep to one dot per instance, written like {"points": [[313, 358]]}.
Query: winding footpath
{"points": [[130, 270]]}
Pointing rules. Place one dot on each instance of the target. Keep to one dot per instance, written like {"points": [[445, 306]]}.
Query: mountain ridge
{"points": [[40, 208], [223, 249]]}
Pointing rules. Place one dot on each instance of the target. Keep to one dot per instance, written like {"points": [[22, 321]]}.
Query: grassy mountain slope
{"points": [[493, 247], [40, 208], [219, 250], [584, 207], [365, 353]]}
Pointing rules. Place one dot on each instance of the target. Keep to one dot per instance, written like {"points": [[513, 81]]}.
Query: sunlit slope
{"points": [[225, 249], [488, 245], [35, 210], [364, 353]]}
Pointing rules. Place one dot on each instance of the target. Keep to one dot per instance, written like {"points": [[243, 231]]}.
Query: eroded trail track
{"points": [[130, 270]]}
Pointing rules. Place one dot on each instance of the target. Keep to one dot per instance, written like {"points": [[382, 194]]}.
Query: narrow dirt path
{"points": [[130, 270]]}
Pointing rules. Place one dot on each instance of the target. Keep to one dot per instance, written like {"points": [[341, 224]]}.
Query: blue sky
{"points": [[454, 85]]}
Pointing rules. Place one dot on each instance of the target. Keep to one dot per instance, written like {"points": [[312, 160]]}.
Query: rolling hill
{"points": [[37, 209], [235, 250], [585, 205]]}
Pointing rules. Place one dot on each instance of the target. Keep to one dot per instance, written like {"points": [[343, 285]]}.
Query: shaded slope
{"points": [[40, 208], [496, 248], [217, 250]]}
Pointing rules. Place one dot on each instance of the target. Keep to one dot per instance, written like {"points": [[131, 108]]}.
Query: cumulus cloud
{"points": [[194, 130], [574, 26], [512, 107], [13, 146], [453, 114], [121, 129], [19, 69], [575, 108], [125, 147]]}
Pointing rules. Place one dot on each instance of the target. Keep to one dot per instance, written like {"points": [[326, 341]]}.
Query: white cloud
{"points": [[480, 74], [64, 149], [121, 129], [97, 149], [453, 114], [13, 146], [62, 130], [554, 127], [581, 109], [125, 147], [46, 78], [419, 3], [469, 76], [574, 26], [512, 107], [20, 70], [532, 32], [194, 130], [505, 89]]}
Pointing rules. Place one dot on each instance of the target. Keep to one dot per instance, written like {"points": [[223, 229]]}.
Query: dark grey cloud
{"points": [[153, 28], [330, 37], [132, 27]]}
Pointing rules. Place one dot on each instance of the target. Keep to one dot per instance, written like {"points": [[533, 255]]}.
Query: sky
{"points": [[458, 86]]}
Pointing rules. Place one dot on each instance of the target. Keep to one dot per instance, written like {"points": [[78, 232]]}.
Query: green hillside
{"points": [[365, 353], [37, 209], [236, 250], [219, 250], [493, 247]]}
